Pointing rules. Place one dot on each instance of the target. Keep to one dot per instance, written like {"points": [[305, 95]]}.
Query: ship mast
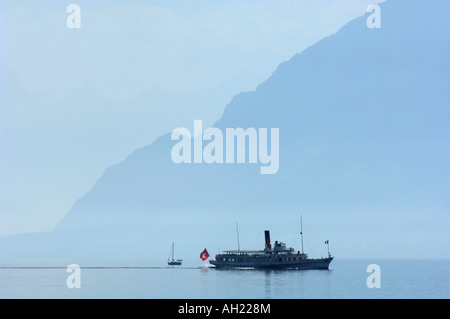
{"points": [[301, 231], [237, 234]]}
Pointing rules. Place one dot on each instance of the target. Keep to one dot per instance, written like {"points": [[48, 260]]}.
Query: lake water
{"points": [[400, 279]]}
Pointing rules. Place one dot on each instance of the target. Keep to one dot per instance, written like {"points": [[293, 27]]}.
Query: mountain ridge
{"points": [[362, 134]]}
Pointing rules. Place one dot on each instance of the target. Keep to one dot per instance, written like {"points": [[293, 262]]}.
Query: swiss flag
{"points": [[204, 254]]}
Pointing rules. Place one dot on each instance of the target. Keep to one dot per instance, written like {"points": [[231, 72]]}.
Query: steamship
{"points": [[276, 257]]}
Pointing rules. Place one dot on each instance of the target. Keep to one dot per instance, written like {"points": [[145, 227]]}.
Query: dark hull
{"points": [[255, 263]]}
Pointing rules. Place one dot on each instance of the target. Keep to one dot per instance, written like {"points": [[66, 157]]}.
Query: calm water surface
{"points": [[402, 279]]}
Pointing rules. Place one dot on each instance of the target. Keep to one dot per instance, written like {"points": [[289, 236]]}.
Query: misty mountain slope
{"points": [[363, 120]]}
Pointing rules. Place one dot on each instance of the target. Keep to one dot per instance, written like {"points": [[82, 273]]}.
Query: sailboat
{"points": [[173, 262]]}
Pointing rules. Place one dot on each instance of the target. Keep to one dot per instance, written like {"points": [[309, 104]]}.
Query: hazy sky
{"points": [[75, 101]]}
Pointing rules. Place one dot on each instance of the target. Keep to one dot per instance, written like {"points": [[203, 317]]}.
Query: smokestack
{"points": [[267, 236]]}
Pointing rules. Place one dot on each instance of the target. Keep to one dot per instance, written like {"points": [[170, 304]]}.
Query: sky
{"points": [[76, 101]]}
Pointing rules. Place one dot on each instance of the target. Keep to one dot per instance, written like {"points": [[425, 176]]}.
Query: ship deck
{"points": [[260, 252]]}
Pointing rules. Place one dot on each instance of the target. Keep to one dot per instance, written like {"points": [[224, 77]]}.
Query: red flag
{"points": [[204, 255]]}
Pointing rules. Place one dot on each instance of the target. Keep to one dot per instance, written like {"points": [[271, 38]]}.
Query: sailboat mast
{"points": [[173, 251], [301, 231]]}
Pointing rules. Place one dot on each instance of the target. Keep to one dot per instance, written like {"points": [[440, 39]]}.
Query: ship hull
{"points": [[174, 263], [305, 264]]}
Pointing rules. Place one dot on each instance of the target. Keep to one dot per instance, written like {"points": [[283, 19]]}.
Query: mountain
{"points": [[363, 154]]}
